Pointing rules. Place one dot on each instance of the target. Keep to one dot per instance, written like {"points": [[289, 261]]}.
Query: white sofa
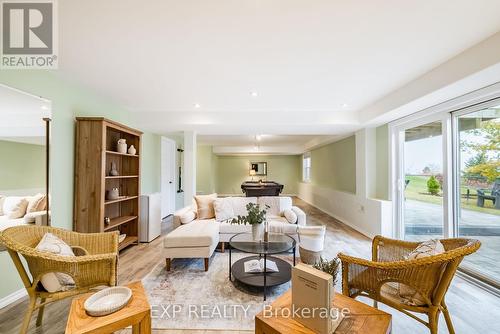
{"points": [[24, 218], [198, 238], [237, 206]]}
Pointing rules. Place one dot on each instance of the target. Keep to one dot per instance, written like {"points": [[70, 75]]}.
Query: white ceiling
{"points": [[314, 64], [22, 116]]}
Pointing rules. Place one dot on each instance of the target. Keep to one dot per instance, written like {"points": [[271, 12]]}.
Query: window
{"points": [[306, 167]]}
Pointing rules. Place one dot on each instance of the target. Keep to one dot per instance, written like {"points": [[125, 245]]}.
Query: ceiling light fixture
{"points": [[197, 105], [345, 105]]}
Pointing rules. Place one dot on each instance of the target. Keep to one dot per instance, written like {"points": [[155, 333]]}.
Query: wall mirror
{"points": [[24, 158], [260, 168]]}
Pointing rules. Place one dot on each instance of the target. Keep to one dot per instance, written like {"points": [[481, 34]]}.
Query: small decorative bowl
{"points": [[107, 301]]}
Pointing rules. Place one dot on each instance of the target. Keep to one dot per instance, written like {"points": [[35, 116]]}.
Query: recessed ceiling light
{"points": [[345, 105], [254, 93], [197, 105]]}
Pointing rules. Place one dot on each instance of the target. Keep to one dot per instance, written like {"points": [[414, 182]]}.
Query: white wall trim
{"points": [[12, 298], [369, 216], [341, 219]]}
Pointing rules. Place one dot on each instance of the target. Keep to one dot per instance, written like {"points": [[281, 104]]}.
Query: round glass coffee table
{"points": [[278, 243]]}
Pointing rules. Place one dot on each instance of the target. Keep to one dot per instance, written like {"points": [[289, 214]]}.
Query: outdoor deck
{"points": [[424, 221]]}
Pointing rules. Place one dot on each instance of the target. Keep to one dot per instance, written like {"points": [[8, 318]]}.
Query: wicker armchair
{"points": [[95, 267], [431, 276]]}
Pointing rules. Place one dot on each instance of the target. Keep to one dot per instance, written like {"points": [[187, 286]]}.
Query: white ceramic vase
{"points": [[113, 194], [113, 171], [122, 146], [132, 150], [257, 232]]}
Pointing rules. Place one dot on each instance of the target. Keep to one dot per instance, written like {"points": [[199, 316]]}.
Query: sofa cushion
{"points": [[277, 204], [282, 226], [205, 206], [5, 222], [201, 233], [15, 207], [234, 228], [36, 203]]}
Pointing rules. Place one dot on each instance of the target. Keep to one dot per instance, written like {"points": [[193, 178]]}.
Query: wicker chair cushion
{"points": [[53, 282], [425, 249]]}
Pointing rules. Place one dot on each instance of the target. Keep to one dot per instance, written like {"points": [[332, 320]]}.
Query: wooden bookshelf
{"points": [[118, 200], [96, 151]]}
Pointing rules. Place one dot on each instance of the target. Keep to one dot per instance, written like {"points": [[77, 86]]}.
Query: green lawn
{"points": [[417, 190]]}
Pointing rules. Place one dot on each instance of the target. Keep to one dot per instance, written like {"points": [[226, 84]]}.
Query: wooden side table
{"points": [[136, 314], [362, 318]]}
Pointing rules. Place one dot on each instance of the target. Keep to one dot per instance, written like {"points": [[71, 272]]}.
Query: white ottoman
{"points": [[193, 240]]}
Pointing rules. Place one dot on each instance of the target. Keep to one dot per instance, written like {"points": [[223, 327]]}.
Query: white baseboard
{"points": [[340, 219], [13, 297]]}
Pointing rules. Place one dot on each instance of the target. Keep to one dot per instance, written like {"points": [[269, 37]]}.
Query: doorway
{"points": [[168, 156]]}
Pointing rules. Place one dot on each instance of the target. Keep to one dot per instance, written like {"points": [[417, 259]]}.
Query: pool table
{"points": [[264, 188]]}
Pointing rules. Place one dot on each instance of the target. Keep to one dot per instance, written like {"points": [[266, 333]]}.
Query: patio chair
{"points": [[97, 267], [494, 197], [382, 278]]}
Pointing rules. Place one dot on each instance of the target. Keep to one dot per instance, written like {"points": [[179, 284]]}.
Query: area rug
{"points": [[187, 297]]}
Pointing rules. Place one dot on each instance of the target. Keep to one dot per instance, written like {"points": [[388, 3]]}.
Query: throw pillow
{"points": [[223, 209], [290, 215], [187, 217], [36, 203], [425, 249], [1, 205], [15, 207], [53, 282], [205, 205]]}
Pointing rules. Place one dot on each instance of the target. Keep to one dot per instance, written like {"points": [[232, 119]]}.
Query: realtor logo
{"points": [[29, 37]]}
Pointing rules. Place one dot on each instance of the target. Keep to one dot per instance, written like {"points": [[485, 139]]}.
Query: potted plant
{"points": [[330, 267], [255, 217]]}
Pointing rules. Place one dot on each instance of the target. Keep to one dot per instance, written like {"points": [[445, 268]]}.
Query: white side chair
{"points": [[311, 243]]}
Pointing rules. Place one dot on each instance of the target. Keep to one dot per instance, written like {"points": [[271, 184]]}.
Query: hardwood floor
{"points": [[473, 310]]}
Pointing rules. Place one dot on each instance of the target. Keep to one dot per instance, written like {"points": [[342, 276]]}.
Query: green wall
{"points": [[69, 100], [382, 163], [231, 171], [334, 165], [206, 167], [22, 167], [224, 174]]}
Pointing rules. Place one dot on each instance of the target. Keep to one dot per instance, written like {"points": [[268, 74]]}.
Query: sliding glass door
{"points": [[423, 208], [478, 182], [446, 180]]}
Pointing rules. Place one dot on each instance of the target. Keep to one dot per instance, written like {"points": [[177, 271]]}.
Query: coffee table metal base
{"points": [[262, 280]]}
